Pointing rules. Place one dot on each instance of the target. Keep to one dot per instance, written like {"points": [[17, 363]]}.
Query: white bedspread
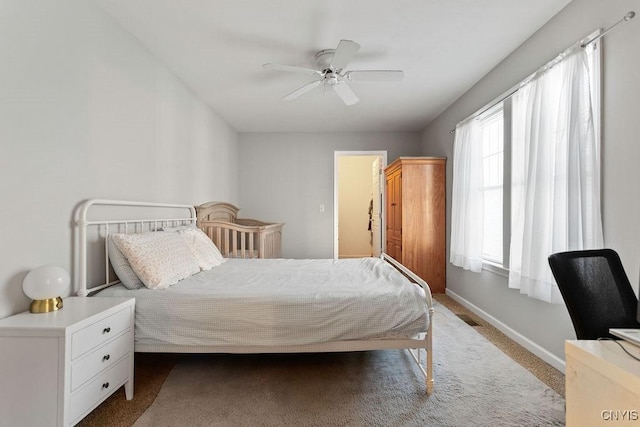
{"points": [[270, 302]]}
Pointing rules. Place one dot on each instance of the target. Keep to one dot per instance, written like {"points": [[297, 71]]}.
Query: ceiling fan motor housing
{"points": [[331, 78]]}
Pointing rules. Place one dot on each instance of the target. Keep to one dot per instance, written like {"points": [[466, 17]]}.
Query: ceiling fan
{"points": [[331, 72]]}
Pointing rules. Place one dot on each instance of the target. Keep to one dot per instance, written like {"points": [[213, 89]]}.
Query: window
{"points": [[496, 165], [526, 175]]}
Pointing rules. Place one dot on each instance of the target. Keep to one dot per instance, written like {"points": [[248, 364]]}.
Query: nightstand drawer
{"points": [[100, 332], [96, 390], [99, 360]]}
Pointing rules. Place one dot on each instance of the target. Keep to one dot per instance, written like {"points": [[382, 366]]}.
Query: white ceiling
{"points": [[217, 47]]}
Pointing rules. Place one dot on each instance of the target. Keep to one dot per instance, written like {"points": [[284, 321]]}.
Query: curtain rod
{"points": [[626, 18]]}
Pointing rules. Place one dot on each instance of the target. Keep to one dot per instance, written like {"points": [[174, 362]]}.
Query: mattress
{"points": [[274, 302]]}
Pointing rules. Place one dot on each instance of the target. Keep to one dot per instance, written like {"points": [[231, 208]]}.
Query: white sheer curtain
{"points": [[555, 191], [467, 204]]}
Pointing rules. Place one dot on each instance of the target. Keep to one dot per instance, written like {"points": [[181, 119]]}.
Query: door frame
{"points": [[336, 156]]}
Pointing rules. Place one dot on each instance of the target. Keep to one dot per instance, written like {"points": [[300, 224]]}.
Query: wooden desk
{"points": [[602, 384]]}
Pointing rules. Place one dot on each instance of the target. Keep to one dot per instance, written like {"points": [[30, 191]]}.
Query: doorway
{"points": [[358, 208]]}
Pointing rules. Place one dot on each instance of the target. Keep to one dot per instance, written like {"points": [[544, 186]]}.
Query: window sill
{"points": [[495, 268]]}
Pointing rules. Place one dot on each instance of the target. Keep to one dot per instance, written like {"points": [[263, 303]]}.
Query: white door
{"points": [[376, 197]]}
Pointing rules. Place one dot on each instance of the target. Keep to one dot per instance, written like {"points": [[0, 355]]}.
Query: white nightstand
{"points": [[57, 367]]}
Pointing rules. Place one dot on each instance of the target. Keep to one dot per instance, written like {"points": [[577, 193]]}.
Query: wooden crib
{"points": [[239, 237]]}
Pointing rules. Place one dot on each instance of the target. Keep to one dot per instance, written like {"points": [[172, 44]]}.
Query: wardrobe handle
{"points": [[105, 385], [106, 357], [106, 330]]}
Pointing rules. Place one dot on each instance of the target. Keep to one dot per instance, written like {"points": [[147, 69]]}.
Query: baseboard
{"points": [[353, 256], [534, 348]]}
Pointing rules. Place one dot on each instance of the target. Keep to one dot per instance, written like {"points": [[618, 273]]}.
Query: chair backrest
{"points": [[596, 290]]}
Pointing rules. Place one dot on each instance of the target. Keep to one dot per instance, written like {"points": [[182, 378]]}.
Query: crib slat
{"points": [[226, 240], [251, 235], [235, 245]]}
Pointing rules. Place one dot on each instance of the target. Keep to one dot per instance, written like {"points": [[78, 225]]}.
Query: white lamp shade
{"points": [[46, 282]]}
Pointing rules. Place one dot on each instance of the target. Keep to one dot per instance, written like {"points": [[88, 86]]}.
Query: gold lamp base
{"points": [[45, 305]]}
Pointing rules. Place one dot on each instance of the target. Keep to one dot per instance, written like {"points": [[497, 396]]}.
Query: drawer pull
{"points": [[106, 357], [105, 385], [106, 330]]}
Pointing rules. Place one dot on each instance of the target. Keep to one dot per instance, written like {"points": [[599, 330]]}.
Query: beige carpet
{"points": [[538, 367], [476, 384]]}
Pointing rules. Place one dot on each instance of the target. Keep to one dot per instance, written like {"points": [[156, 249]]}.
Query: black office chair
{"points": [[596, 290]]}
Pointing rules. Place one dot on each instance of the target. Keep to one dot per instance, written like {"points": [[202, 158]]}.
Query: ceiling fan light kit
{"points": [[331, 64]]}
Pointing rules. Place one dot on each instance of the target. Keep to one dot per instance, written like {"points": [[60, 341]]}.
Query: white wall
{"points": [[544, 324], [355, 182], [86, 112], [284, 177]]}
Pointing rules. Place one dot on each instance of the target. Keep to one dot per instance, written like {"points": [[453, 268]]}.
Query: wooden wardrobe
{"points": [[415, 208]]}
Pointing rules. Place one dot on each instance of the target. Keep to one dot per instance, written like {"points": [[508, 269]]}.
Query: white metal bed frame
{"points": [[416, 346]]}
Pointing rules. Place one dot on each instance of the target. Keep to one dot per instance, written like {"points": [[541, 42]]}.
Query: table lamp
{"points": [[44, 285]]}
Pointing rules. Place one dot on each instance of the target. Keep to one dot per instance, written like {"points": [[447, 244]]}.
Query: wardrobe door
{"points": [[394, 214]]}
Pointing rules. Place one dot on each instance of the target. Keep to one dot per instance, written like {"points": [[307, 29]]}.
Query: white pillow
{"points": [[160, 259], [204, 250], [122, 268]]}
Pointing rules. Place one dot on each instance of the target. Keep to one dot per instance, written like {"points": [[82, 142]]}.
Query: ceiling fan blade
{"points": [[345, 93], [292, 69], [375, 75], [344, 53], [304, 89]]}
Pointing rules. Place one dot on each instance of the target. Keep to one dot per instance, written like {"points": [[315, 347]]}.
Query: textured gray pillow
{"points": [[122, 268]]}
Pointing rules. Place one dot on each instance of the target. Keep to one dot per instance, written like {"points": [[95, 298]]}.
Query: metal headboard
{"points": [[84, 222]]}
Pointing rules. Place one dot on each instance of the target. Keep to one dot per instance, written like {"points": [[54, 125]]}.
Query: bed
{"points": [[239, 237], [252, 305]]}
